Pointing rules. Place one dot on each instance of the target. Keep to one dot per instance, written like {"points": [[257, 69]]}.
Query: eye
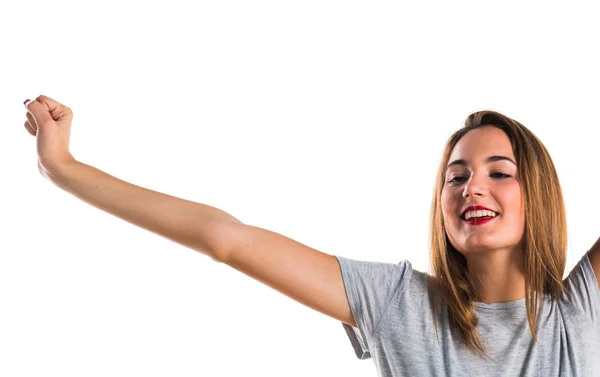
{"points": [[454, 180], [494, 175]]}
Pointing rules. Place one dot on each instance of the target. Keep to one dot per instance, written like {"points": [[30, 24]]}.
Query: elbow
{"points": [[225, 235]]}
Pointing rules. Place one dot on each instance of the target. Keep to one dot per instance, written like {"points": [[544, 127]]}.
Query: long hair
{"points": [[544, 238]]}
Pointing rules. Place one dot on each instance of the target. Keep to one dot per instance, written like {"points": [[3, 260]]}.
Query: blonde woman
{"points": [[496, 303]]}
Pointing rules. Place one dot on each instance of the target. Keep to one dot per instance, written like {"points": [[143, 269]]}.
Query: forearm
{"points": [[188, 223]]}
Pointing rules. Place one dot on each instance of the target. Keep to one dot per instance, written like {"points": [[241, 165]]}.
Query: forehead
{"points": [[480, 143]]}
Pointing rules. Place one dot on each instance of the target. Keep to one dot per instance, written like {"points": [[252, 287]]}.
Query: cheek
{"points": [[449, 209], [512, 203], [445, 204], [514, 200], [449, 202]]}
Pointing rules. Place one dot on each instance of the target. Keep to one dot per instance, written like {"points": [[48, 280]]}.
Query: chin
{"points": [[477, 247]]}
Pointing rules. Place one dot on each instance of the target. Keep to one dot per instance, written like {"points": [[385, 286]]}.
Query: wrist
{"points": [[57, 171]]}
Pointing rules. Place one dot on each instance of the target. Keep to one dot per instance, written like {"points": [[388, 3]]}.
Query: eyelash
{"points": [[502, 177]]}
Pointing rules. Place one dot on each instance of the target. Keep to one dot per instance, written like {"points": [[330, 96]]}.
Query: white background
{"points": [[320, 120]]}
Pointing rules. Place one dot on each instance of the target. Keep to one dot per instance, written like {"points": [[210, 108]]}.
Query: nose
{"points": [[475, 186]]}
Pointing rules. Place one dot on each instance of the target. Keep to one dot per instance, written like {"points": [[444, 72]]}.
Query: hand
{"points": [[50, 122]]}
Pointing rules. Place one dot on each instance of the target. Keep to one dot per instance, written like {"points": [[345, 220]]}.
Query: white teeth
{"points": [[482, 213]]}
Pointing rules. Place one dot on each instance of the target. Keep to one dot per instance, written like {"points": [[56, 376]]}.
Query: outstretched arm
{"points": [[302, 273]]}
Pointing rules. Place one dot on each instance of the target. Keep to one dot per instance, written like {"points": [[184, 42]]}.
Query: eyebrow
{"points": [[488, 160]]}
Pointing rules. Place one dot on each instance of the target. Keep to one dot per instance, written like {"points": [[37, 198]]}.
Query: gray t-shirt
{"points": [[391, 307]]}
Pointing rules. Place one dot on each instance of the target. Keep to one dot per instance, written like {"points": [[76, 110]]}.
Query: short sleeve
{"points": [[584, 294], [370, 288]]}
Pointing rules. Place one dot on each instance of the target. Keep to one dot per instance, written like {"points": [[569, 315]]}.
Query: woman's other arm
{"points": [[594, 255]]}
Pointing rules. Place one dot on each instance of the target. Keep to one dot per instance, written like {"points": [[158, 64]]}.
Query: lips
{"points": [[479, 221], [475, 208]]}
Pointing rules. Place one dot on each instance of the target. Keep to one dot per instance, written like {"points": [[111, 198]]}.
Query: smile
{"points": [[479, 220]]}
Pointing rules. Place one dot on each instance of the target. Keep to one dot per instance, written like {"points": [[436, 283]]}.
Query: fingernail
{"points": [[26, 102]]}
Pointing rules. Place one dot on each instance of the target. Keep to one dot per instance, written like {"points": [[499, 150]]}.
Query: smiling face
{"points": [[482, 171]]}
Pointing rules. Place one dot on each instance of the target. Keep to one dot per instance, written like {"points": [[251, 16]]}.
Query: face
{"points": [[480, 177]]}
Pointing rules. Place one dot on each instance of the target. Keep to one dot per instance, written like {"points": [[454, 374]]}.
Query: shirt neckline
{"points": [[500, 305]]}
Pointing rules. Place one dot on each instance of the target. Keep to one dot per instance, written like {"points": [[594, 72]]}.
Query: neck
{"points": [[497, 276]]}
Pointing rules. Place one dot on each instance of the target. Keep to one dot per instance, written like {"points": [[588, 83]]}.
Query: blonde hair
{"points": [[544, 238]]}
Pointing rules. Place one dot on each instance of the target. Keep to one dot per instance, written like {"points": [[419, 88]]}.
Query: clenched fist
{"points": [[50, 122]]}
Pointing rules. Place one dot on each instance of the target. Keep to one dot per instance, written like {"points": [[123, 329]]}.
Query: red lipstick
{"points": [[477, 220], [475, 208]]}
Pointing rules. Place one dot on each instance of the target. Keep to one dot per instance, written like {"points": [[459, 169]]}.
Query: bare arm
{"points": [[304, 274], [300, 272], [594, 255], [188, 223]]}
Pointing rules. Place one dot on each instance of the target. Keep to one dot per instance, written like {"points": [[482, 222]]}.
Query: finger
{"points": [[38, 114], [56, 109], [31, 121], [30, 129]]}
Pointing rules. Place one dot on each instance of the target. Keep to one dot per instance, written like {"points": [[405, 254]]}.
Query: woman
{"points": [[496, 304]]}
